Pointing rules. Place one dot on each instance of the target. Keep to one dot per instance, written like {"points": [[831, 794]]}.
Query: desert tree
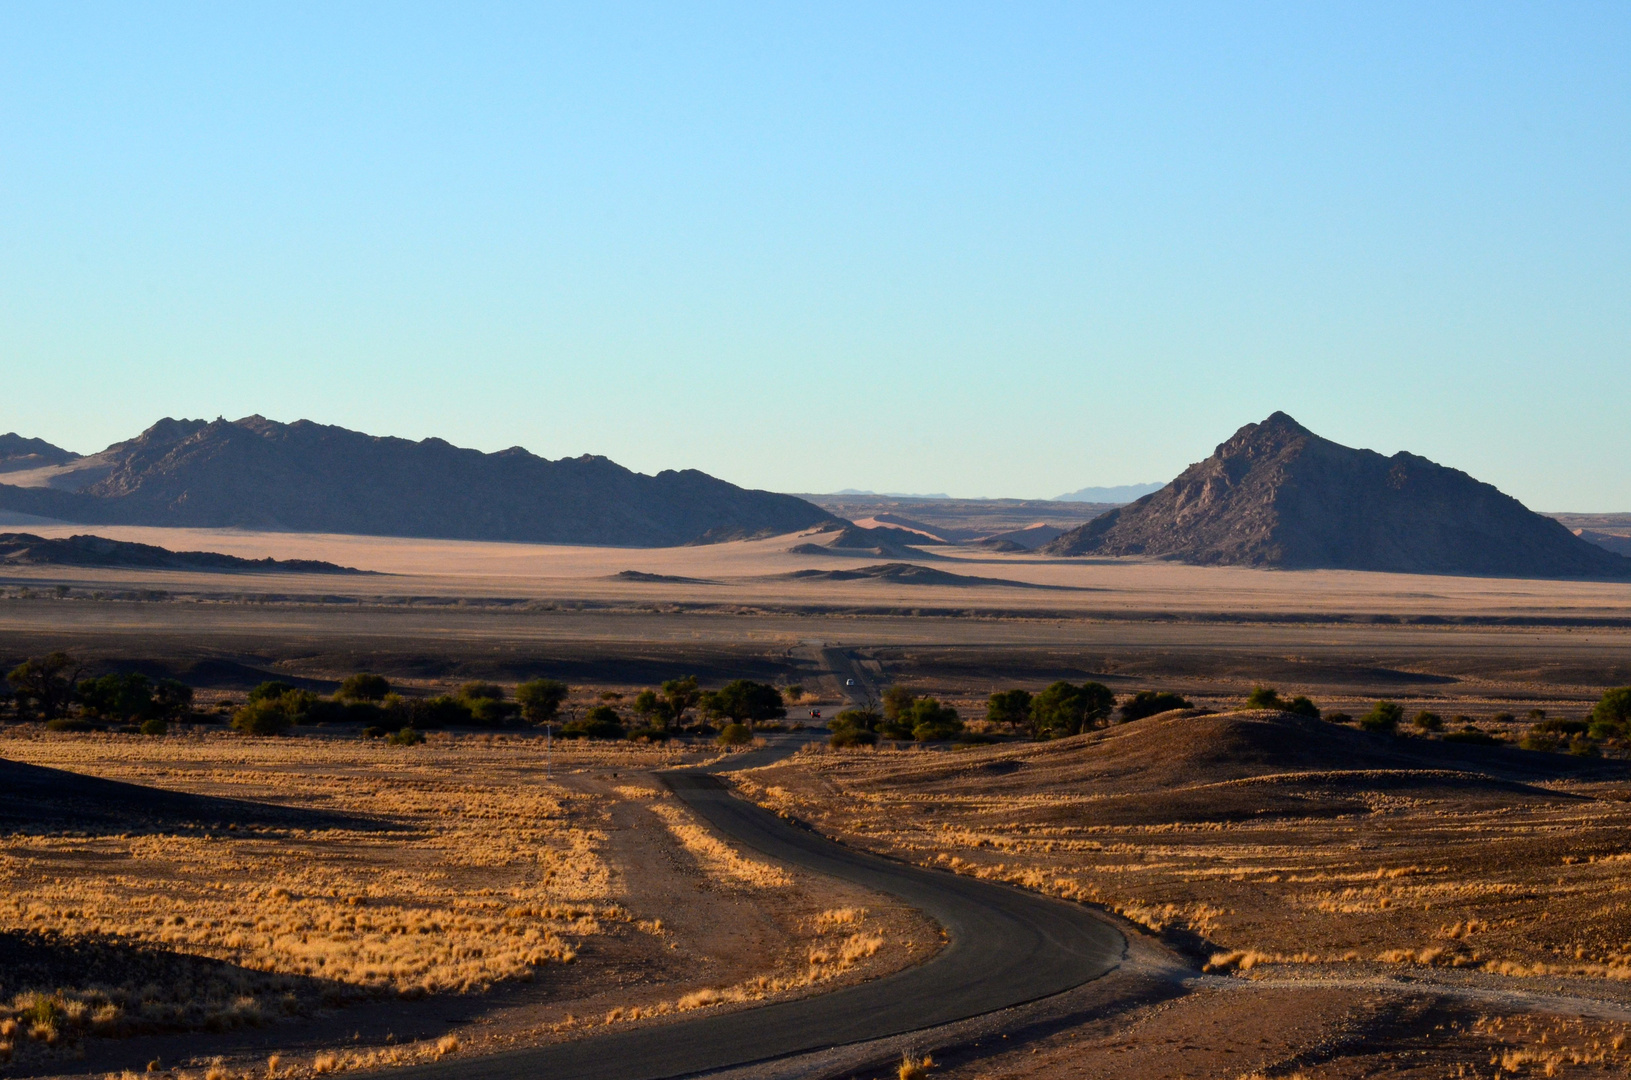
{"points": [[45, 685], [1066, 709], [745, 702], [540, 700], [682, 695], [1010, 707]]}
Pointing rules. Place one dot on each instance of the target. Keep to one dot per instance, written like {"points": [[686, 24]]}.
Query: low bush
{"points": [[155, 725], [69, 723], [373, 733], [1264, 697], [1612, 713], [1471, 736], [262, 716], [406, 737], [1338, 718], [1301, 706], [931, 721], [600, 722], [1384, 716], [364, 687], [1149, 703], [734, 735], [1539, 741], [1429, 721], [843, 737]]}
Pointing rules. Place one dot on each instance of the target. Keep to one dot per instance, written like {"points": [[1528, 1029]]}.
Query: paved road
{"points": [[1005, 947]]}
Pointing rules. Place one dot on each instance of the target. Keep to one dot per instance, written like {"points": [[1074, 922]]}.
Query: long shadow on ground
{"points": [[36, 799]]}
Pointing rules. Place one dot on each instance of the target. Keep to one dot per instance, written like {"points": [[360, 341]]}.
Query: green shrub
{"points": [[1151, 702], [1539, 741], [848, 736], [1264, 697], [155, 725], [600, 722], [1429, 721], [897, 701], [932, 721], [734, 735], [1502, 718], [373, 733], [69, 723], [1384, 716], [1338, 718], [1613, 710], [1473, 737], [859, 719], [436, 712], [1301, 706], [1580, 746], [117, 697], [406, 737], [540, 700], [262, 717], [364, 687], [268, 690], [1557, 725]]}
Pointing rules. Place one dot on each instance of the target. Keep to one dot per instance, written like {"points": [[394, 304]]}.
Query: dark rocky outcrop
{"points": [[256, 473], [1277, 495], [26, 549]]}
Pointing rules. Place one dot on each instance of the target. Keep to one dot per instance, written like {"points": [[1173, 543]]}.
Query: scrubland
{"points": [[1280, 854], [450, 870]]}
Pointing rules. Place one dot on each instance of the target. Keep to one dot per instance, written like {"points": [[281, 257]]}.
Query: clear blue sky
{"points": [[997, 249]]}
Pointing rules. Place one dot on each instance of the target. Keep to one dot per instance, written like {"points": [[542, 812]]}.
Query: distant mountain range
{"points": [[259, 474], [1125, 493], [1277, 495]]}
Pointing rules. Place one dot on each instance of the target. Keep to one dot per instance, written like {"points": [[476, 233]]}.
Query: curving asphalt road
{"points": [[1005, 947]]}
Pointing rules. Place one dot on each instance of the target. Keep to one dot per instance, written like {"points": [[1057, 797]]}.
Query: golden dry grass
{"points": [[485, 873], [1509, 882]]}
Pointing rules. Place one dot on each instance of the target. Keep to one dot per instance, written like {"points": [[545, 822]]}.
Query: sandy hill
{"points": [[1233, 766], [1278, 495], [256, 473], [26, 549]]}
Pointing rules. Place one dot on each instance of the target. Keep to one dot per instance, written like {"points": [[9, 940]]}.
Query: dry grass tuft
{"points": [[912, 1068]]}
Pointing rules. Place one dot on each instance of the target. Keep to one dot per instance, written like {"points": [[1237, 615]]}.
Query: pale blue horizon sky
{"points": [[1003, 250]]}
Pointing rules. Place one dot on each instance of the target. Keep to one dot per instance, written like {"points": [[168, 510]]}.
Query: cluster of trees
{"points": [[1608, 721], [904, 716], [51, 688], [274, 707], [682, 705], [1065, 708]]}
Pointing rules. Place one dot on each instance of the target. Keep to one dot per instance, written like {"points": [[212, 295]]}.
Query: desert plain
{"points": [[1299, 897]]}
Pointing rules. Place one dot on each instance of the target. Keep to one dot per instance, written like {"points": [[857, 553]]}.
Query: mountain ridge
{"points": [[309, 477], [1276, 495]]}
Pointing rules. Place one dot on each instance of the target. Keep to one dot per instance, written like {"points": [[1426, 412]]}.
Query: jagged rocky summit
{"points": [[1277, 495]]}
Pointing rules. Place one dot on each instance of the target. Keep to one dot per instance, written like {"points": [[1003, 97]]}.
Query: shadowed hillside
{"points": [[256, 473], [1182, 766], [1278, 495]]}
